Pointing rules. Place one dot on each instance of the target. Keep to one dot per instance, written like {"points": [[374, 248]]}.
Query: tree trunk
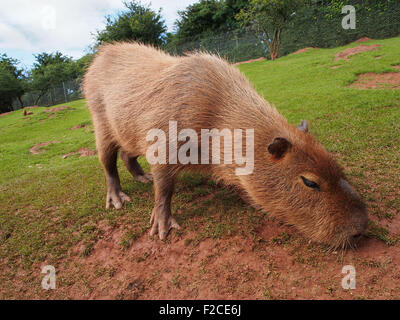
{"points": [[275, 44], [38, 98], [20, 102]]}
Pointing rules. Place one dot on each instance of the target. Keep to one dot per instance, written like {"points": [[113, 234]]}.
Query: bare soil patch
{"points": [[363, 39], [27, 111], [274, 263], [5, 113], [35, 149], [83, 152], [78, 126], [304, 50], [370, 80], [249, 61], [57, 109], [352, 51]]}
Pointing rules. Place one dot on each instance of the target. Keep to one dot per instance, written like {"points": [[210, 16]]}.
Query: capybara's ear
{"points": [[303, 126], [279, 147]]}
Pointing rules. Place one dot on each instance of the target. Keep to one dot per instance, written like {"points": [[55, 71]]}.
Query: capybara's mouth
{"points": [[356, 240], [344, 242]]}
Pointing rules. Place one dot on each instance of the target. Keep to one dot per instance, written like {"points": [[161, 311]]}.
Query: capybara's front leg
{"points": [[135, 169], [161, 218]]}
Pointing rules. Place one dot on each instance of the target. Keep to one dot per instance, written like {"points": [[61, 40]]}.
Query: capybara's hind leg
{"points": [[161, 218], [135, 169], [115, 196]]}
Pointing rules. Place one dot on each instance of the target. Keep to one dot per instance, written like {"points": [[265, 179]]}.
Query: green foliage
{"points": [[316, 24], [82, 64], [319, 24], [268, 18], [266, 14], [205, 19], [12, 82], [138, 23], [50, 70]]}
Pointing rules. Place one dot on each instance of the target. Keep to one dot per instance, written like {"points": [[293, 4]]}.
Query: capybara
{"points": [[133, 88]]}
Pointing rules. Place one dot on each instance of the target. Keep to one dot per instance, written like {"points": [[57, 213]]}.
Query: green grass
{"points": [[49, 205]]}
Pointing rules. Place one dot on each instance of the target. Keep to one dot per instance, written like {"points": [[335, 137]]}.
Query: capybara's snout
{"points": [[347, 230], [350, 228], [359, 225]]}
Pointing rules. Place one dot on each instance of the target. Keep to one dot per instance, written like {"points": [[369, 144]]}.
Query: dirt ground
{"points": [[57, 109], [249, 61], [78, 126], [273, 263], [363, 39], [388, 80], [38, 148], [303, 50], [351, 51], [83, 152], [54, 111]]}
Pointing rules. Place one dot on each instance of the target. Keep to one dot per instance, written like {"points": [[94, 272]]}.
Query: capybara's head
{"points": [[297, 180]]}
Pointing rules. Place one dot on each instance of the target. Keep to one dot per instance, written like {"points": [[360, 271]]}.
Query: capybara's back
{"points": [[134, 90], [115, 85]]}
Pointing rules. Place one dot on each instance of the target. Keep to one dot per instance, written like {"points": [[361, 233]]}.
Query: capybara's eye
{"points": [[310, 184]]}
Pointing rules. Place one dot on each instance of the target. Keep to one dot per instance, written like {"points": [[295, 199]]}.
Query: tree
{"points": [[12, 83], [208, 17], [269, 18], [138, 23], [50, 70], [199, 18], [82, 64], [203, 21], [231, 9]]}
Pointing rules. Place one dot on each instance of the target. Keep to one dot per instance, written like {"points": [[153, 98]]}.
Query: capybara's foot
{"points": [[116, 199], [162, 225], [145, 178]]}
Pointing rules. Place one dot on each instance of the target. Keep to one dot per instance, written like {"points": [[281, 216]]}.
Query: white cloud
{"points": [[30, 26], [11, 37]]}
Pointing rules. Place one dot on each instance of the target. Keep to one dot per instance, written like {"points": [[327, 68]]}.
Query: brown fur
{"points": [[132, 88]]}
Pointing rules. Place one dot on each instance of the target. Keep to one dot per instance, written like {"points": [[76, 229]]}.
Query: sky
{"points": [[29, 27]]}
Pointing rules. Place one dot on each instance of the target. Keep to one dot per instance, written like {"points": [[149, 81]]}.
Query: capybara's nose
{"points": [[360, 222]]}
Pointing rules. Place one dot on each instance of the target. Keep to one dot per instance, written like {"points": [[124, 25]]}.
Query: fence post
{"points": [[65, 94], [51, 97]]}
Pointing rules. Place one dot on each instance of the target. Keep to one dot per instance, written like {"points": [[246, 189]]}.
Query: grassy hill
{"points": [[52, 208]]}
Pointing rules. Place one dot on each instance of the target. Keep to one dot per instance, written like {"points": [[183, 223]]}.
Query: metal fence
{"points": [[62, 93], [308, 28], [314, 26], [234, 46]]}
